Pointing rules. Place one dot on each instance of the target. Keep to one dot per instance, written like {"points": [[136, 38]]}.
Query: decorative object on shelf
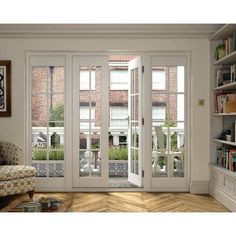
{"points": [[220, 51], [5, 88], [223, 75], [224, 134]]}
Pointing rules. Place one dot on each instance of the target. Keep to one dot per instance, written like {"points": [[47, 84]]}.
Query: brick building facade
{"points": [[48, 86]]}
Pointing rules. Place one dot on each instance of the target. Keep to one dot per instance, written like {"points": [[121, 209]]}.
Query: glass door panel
{"points": [[168, 121], [135, 122], [90, 159], [47, 116]]}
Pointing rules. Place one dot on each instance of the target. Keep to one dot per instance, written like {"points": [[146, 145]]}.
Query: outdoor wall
{"points": [[13, 128]]}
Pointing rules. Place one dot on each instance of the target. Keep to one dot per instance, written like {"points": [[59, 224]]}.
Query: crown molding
{"points": [[116, 31]]}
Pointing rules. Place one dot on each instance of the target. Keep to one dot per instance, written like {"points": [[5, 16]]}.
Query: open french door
{"points": [[90, 126], [135, 122]]}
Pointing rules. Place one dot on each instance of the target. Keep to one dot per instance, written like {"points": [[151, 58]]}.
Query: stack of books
{"points": [[230, 44], [226, 158], [225, 103]]}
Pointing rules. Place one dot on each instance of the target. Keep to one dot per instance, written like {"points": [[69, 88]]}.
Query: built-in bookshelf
{"points": [[223, 116]]}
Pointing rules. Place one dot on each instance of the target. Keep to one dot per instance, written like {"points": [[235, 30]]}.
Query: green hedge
{"points": [[114, 154], [40, 155], [118, 153]]}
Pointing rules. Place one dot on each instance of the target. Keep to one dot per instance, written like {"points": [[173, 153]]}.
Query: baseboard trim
{"points": [[222, 197], [199, 187]]}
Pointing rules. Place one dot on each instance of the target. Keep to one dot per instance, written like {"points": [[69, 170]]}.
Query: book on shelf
{"points": [[234, 41], [226, 158], [233, 73], [230, 44], [232, 160], [224, 102]]}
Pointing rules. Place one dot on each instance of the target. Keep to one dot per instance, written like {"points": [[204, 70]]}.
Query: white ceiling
{"points": [[109, 30]]}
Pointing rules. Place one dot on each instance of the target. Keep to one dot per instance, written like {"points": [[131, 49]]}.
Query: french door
{"points": [[135, 122], [90, 121], [169, 123]]}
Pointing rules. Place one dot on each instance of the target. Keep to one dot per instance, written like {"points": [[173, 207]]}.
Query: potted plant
{"points": [[220, 51]]}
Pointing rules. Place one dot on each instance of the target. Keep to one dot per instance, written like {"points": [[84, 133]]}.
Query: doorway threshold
{"points": [[120, 182]]}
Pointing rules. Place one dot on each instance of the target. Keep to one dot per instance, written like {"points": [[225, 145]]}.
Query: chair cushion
{"points": [[10, 172]]}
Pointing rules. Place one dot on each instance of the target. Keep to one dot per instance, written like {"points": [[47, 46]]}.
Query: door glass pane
{"points": [[84, 163], [134, 81], [167, 131], [178, 170], [39, 108], [134, 161], [56, 79], [135, 107], [176, 78], [135, 134], [176, 107], [159, 164], [56, 107], [159, 78], [39, 79], [95, 140], [96, 163]]}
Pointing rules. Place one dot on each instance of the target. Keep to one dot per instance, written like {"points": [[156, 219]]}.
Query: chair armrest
{"points": [[10, 152]]}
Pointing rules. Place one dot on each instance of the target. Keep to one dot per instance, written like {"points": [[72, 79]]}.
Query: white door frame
{"points": [[146, 55]]}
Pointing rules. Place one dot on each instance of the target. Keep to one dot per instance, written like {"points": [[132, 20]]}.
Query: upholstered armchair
{"points": [[14, 178]]}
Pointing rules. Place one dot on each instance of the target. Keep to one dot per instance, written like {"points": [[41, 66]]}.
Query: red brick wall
{"points": [[39, 110]]}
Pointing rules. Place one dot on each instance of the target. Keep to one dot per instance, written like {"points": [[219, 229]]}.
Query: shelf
{"points": [[229, 59], [225, 114], [224, 32], [224, 142], [226, 87], [223, 170]]}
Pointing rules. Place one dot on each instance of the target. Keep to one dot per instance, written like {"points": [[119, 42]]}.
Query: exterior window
{"points": [[119, 79], [158, 113], [119, 116], [84, 115], [158, 80], [84, 81]]}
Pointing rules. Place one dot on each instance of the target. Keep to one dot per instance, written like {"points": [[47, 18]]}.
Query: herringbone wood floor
{"points": [[134, 202]]}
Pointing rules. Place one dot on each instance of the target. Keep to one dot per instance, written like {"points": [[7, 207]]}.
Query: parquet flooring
{"points": [[134, 202]]}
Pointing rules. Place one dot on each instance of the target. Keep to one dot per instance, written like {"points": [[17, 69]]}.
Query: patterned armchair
{"points": [[14, 178]]}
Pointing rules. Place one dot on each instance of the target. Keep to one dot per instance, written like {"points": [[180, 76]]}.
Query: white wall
{"points": [[13, 128]]}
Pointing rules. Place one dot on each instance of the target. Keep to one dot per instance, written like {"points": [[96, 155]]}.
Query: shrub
{"points": [[118, 153], [39, 155], [56, 155]]}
